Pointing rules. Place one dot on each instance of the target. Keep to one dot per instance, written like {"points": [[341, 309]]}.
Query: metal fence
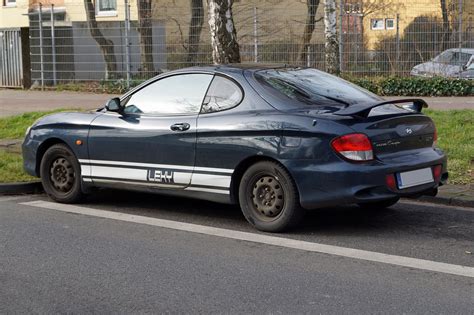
{"points": [[11, 63], [117, 39]]}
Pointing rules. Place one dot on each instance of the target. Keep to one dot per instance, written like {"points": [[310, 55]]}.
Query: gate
{"points": [[13, 59]]}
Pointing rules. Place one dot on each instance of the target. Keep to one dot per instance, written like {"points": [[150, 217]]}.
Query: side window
{"points": [[445, 57], [223, 94], [176, 95]]}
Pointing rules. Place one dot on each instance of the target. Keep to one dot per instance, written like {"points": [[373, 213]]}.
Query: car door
{"points": [[152, 143]]}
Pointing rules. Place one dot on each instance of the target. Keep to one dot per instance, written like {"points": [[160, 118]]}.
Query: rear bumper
{"points": [[341, 182]]}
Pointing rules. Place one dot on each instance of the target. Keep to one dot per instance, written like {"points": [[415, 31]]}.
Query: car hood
{"points": [[67, 118], [435, 68]]}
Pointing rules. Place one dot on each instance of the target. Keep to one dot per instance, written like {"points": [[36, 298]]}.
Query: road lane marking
{"points": [[403, 261]]}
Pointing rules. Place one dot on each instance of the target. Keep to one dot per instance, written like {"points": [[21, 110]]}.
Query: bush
{"points": [[119, 86], [415, 86]]}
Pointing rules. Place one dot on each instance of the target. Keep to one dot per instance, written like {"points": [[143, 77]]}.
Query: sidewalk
{"points": [[13, 102]]}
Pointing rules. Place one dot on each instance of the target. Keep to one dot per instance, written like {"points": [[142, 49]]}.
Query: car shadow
{"points": [[344, 220]]}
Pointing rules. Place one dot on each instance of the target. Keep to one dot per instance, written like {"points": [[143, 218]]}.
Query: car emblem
{"points": [[409, 131]]}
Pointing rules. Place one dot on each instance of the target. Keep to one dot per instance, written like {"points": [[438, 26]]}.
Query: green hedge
{"points": [[415, 86]]}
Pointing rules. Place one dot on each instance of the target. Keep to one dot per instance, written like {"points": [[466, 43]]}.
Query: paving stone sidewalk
{"points": [[14, 102]]}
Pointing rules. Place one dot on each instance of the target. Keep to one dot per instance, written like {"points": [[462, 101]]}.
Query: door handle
{"points": [[180, 127]]}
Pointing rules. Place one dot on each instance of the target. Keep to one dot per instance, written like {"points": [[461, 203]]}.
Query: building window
{"points": [[106, 7], [377, 24], [9, 3], [390, 24]]}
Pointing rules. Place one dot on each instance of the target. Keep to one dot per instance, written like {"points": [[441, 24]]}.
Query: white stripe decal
{"points": [[85, 170], [133, 174], [211, 180], [124, 181], [159, 185], [123, 173], [178, 167], [209, 190]]}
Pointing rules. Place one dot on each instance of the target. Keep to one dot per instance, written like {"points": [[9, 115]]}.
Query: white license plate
{"points": [[414, 178]]}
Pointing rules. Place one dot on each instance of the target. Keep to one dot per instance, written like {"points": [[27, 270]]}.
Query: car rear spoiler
{"points": [[363, 110]]}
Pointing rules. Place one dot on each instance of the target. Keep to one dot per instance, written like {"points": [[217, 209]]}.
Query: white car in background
{"points": [[450, 63]]}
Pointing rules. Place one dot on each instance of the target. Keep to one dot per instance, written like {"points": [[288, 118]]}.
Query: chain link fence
{"points": [[118, 39]]}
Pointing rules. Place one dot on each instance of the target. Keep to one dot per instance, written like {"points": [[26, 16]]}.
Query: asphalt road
{"points": [[54, 261]]}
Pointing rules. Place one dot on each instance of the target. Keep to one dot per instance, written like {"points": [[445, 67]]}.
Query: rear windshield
{"points": [[314, 87]]}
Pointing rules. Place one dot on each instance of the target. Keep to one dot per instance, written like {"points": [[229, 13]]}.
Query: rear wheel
{"points": [[268, 197], [61, 174], [379, 205]]}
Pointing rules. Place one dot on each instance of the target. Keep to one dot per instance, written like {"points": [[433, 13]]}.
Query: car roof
{"points": [[465, 50]]}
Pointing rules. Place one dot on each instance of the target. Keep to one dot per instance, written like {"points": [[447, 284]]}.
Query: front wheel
{"points": [[379, 205], [269, 198], [61, 174]]}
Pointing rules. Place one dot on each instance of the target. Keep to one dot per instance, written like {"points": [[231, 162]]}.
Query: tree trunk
{"points": [[146, 36], [195, 28], [312, 8], [106, 45], [444, 13], [330, 32], [225, 48]]}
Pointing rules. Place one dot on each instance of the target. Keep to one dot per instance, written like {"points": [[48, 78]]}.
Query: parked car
{"points": [[450, 63], [275, 140]]}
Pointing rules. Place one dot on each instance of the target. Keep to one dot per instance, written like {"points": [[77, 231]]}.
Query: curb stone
{"points": [[21, 188], [450, 201]]}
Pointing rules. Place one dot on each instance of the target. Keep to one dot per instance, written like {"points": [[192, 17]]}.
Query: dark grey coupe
{"points": [[275, 140]]}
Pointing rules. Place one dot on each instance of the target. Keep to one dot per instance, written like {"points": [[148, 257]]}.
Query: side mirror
{"points": [[113, 105]]}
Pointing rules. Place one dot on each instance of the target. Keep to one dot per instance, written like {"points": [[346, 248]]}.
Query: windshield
{"points": [[314, 87]]}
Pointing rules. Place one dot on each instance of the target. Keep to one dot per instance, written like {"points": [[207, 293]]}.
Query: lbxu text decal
{"points": [[161, 176]]}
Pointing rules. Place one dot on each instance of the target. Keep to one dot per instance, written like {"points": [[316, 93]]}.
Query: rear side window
{"points": [[223, 94], [313, 87], [175, 95]]}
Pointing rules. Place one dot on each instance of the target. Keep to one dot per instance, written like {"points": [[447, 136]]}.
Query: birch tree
{"points": [[106, 45], [225, 48], [330, 32], [146, 36], [312, 8], [195, 28]]}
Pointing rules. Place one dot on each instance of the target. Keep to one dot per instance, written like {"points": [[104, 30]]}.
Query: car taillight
{"points": [[437, 172], [390, 181], [354, 146], [435, 138]]}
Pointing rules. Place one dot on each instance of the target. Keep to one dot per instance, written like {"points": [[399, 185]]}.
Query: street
{"points": [[123, 252]]}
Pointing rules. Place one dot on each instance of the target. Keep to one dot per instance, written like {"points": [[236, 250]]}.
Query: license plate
{"points": [[414, 178]]}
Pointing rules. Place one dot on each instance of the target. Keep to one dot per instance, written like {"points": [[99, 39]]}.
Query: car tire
{"points": [[61, 174], [269, 198], [379, 205]]}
